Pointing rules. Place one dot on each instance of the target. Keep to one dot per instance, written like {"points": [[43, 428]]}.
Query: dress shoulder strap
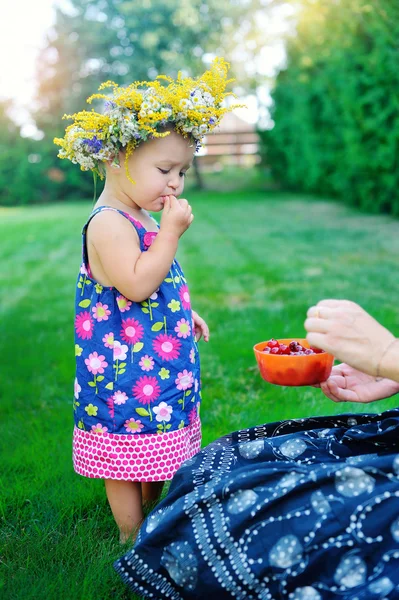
{"points": [[136, 224]]}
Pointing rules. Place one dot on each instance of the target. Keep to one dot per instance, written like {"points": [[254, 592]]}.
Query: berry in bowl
{"points": [[292, 362]]}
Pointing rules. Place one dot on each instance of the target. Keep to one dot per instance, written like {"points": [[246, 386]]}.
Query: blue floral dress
{"points": [[137, 386], [304, 509]]}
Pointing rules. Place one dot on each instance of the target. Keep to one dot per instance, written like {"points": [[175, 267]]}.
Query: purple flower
{"points": [[211, 120], [109, 105], [93, 145]]}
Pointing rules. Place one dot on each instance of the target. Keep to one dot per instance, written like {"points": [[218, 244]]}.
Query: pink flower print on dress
{"points": [[83, 270], [183, 328], [196, 386], [96, 363], [163, 411], [132, 331], [77, 388], [84, 325], [120, 351], [166, 346], [101, 312], [99, 428], [185, 296], [123, 303], [192, 356], [193, 414], [108, 339], [133, 426], [119, 397], [149, 237], [146, 389], [146, 363], [184, 380]]}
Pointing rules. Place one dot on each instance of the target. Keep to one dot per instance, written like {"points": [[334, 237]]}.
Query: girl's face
{"points": [[158, 168]]}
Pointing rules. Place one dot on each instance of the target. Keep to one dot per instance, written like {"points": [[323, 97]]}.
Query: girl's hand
{"points": [[176, 216], [346, 384], [200, 327], [348, 332]]}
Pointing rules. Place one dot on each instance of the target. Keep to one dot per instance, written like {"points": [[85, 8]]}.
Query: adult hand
{"points": [[345, 330], [346, 384], [176, 216], [200, 327]]}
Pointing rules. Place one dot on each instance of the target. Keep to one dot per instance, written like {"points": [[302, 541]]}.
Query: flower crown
{"points": [[141, 111]]}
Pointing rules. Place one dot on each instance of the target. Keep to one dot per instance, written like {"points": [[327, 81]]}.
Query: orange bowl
{"points": [[296, 370]]}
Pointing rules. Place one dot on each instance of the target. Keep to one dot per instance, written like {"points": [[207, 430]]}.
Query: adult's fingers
{"points": [[337, 393], [317, 325], [316, 340]]}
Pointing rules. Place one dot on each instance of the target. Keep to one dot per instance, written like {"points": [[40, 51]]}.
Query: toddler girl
{"points": [[137, 386]]}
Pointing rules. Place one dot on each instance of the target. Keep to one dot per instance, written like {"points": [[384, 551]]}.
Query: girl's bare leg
{"points": [[125, 500], [151, 491]]}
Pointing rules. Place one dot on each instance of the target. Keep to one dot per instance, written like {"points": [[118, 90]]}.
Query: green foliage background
{"points": [[336, 105]]}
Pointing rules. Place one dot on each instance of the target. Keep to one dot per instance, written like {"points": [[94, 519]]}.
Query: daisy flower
{"points": [[84, 325], [96, 363], [193, 414], [146, 389], [108, 340], [77, 388], [183, 328], [166, 346], [119, 397], [184, 380], [99, 428], [146, 363], [133, 426], [132, 331], [101, 312], [163, 411], [119, 351], [185, 296], [123, 303]]}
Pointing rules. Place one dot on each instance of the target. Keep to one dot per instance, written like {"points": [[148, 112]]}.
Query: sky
{"points": [[22, 35]]}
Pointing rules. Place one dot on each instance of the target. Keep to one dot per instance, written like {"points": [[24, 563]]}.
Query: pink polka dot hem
{"points": [[141, 457]]}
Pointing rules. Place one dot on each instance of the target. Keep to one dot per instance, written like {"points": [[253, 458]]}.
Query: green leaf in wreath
{"points": [[145, 311], [110, 386], [85, 303], [100, 377], [142, 412], [157, 326], [138, 346], [92, 384]]}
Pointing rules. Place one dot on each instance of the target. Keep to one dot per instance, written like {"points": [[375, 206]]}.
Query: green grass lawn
{"points": [[255, 261]]}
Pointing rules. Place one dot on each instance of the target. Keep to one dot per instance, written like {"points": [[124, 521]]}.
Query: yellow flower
{"points": [[91, 410], [140, 110], [174, 305], [164, 373], [78, 350]]}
